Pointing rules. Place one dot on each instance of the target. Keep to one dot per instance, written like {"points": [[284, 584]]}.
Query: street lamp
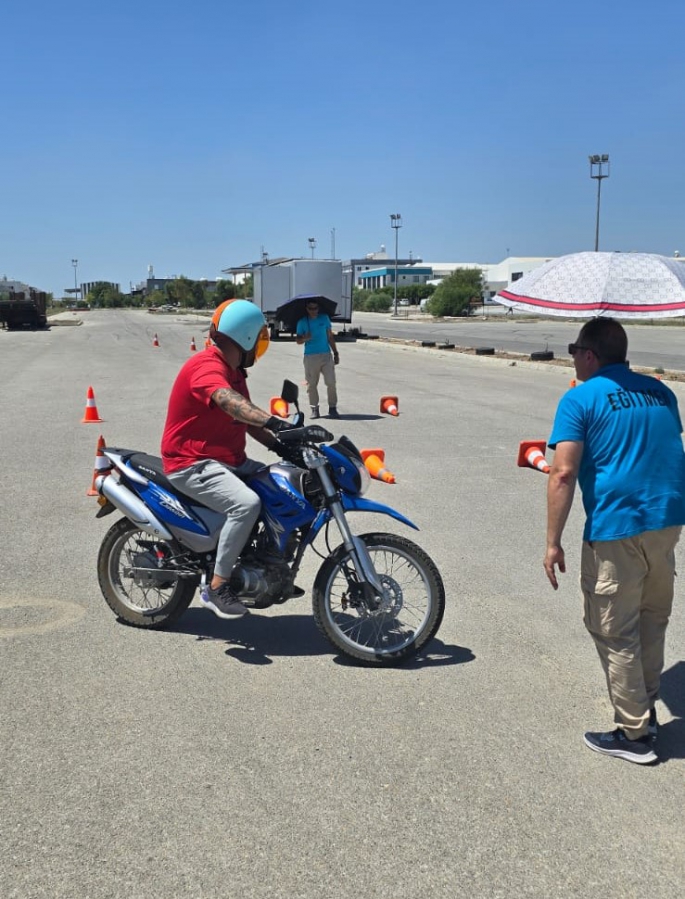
{"points": [[74, 262], [596, 163], [312, 245], [396, 223]]}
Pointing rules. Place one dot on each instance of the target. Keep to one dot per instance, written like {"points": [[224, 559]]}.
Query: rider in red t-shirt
{"points": [[203, 445]]}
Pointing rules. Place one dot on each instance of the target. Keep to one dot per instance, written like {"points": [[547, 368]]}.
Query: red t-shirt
{"points": [[195, 427]]}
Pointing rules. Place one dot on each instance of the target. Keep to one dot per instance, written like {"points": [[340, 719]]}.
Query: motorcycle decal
{"points": [[169, 502]]}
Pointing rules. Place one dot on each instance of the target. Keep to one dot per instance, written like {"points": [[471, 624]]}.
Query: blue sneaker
{"points": [[223, 602], [617, 744]]}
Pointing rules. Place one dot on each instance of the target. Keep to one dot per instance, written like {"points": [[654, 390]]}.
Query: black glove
{"points": [[275, 424]]}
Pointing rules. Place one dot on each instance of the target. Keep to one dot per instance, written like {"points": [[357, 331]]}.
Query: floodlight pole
{"points": [[74, 262], [312, 245], [596, 163], [396, 223]]}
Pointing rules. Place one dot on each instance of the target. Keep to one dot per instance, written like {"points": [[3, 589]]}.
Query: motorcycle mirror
{"points": [[290, 392]]}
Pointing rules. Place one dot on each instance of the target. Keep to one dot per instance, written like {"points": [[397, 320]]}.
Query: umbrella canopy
{"points": [[586, 285], [291, 312]]}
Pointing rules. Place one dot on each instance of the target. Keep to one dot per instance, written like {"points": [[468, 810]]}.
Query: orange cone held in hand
{"points": [[193, 348], [532, 454], [155, 342], [208, 342], [389, 405], [279, 407], [91, 413], [374, 459], [102, 465]]}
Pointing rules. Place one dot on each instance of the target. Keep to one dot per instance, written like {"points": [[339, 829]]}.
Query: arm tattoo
{"points": [[234, 404]]}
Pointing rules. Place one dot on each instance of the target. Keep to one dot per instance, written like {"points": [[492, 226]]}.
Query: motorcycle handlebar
{"points": [[307, 434]]}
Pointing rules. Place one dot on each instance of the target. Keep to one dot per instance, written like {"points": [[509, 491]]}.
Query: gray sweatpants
{"points": [[221, 488]]}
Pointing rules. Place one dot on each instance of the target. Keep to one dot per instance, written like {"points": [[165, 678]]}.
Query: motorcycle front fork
{"points": [[359, 554]]}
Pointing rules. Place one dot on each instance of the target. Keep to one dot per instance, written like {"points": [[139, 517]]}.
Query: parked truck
{"points": [[277, 282], [19, 311]]}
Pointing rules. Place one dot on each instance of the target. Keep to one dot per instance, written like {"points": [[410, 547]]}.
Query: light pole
{"points": [[74, 262], [312, 245], [396, 223], [596, 163]]}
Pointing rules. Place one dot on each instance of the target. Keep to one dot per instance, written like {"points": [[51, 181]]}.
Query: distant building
{"points": [[376, 278]]}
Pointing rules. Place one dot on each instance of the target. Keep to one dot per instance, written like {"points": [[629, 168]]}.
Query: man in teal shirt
{"points": [[320, 357], [619, 435]]}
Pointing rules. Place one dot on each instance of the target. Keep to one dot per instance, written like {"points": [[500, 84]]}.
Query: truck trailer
{"points": [[277, 282], [19, 311]]}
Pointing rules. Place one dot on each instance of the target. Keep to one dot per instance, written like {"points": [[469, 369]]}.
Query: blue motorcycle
{"points": [[377, 597]]}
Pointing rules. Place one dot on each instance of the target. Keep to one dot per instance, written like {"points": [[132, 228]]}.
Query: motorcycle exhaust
{"points": [[131, 505]]}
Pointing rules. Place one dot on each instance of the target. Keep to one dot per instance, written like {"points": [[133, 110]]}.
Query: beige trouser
{"points": [[316, 364], [628, 591]]}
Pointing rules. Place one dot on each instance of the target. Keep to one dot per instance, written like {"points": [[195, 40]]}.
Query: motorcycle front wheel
{"points": [[135, 583], [406, 619]]}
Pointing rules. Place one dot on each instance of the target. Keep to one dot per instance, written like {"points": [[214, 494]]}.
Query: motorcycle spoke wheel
{"points": [[406, 618], [133, 587]]}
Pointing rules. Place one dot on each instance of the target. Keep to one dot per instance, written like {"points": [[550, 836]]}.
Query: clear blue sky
{"points": [[190, 135]]}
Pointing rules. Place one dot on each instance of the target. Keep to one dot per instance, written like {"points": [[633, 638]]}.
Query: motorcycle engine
{"points": [[262, 584]]}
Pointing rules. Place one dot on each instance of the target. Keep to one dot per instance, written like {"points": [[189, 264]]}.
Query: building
{"points": [[375, 278]]}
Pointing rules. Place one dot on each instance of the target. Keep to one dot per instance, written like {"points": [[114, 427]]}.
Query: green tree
{"points": [[379, 301], [103, 295], [453, 295], [225, 290]]}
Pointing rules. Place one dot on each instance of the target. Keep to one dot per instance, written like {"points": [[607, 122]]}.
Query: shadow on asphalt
{"points": [[672, 734], [255, 639]]}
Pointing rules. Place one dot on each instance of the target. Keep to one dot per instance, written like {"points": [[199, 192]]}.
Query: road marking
{"points": [[16, 616]]}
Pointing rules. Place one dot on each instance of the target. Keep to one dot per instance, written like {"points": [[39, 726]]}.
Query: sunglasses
{"points": [[574, 347]]}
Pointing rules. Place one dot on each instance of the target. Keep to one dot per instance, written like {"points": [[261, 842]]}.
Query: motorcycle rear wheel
{"points": [[148, 600], [407, 619]]}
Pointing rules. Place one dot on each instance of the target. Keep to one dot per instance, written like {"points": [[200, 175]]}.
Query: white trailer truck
{"points": [[277, 282]]}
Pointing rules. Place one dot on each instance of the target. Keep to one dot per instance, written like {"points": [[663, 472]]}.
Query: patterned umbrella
{"points": [[586, 285]]}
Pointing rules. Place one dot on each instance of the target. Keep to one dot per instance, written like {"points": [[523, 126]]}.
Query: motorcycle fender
{"points": [[132, 507], [359, 504]]}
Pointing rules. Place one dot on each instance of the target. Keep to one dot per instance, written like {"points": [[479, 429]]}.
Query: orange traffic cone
{"points": [[208, 342], [532, 454], [91, 413], [155, 342], [572, 382], [279, 407], [102, 464], [193, 348], [389, 405], [374, 459]]}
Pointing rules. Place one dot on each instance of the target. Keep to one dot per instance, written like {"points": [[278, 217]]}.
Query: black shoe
{"points": [[617, 744], [333, 412], [223, 602], [653, 726]]}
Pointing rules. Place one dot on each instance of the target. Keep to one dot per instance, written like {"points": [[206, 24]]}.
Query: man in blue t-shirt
{"points": [[619, 435], [320, 356]]}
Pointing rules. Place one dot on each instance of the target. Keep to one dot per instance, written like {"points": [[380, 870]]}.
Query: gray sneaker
{"points": [[617, 744], [223, 602], [315, 412]]}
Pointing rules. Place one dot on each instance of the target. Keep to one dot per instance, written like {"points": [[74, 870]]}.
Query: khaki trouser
{"points": [[316, 364], [628, 591]]}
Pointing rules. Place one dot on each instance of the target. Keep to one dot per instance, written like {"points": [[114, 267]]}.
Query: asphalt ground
{"points": [[246, 758]]}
